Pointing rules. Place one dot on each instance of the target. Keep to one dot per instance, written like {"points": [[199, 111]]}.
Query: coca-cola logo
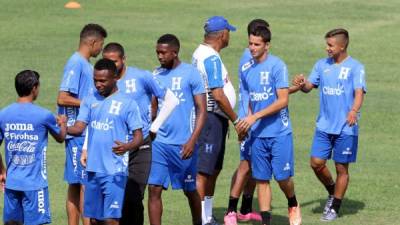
{"points": [[24, 146]]}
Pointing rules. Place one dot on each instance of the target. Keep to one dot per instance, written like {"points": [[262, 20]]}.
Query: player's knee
{"points": [[93, 221], [317, 166], [154, 192], [191, 194]]}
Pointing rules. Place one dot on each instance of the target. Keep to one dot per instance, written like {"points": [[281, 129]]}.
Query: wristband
{"points": [[236, 121]]}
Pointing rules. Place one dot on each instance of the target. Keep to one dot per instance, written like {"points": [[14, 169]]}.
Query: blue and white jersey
{"points": [[261, 81], [141, 85], [109, 119], [24, 127], [243, 106], [337, 83], [185, 82], [78, 81], [208, 62]]}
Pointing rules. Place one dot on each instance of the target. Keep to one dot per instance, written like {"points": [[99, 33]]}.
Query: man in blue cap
{"points": [[220, 103]]}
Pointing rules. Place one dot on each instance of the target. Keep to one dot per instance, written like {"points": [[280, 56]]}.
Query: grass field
{"points": [[41, 35]]}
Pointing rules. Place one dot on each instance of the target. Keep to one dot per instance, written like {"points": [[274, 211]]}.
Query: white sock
{"points": [[203, 214], [208, 206]]}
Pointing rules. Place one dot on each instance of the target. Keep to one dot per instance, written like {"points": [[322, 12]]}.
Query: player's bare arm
{"points": [[225, 106], [66, 99], [77, 129], [62, 123], [201, 115], [2, 172], [280, 103], [223, 103], [358, 100], [120, 147]]}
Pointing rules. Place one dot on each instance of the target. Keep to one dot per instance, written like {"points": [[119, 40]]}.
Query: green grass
{"points": [[41, 35]]}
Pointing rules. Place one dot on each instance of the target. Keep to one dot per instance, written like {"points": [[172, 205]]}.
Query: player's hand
{"points": [[242, 136], [120, 148], [84, 157], [187, 150], [244, 125], [61, 120], [299, 80], [352, 118]]}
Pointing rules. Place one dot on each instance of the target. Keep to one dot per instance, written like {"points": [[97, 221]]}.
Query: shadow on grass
{"points": [[276, 219], [349, 207]]}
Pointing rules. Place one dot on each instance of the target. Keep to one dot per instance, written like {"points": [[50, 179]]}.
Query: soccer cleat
{"points": [[230, 218], [255, 216], [294, 215], [331, 215], [328, 205], [213, 221]]}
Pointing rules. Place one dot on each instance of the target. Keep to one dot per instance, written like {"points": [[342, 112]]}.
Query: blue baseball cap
{"points": [[217, 23]]}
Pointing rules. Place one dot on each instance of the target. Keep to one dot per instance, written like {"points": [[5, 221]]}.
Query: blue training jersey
{"points": [[109, 119], [24, 127], [141, 85], [78, 81], [261, 81], [185, 82], [243, 106], [337, 83]]}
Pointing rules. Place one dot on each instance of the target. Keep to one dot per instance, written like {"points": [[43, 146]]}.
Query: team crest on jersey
{"points": [[94, 105], [344, 73], [115, 107]]}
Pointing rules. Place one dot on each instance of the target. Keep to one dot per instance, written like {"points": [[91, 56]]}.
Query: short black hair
{"points": [[169, 39], [114, 47], [93, 30], [256, 23], [262, 32], [106, 64], [25, 81], [339, 32]]}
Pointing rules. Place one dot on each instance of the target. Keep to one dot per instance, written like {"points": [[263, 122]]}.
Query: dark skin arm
{"points": [[201, 115], [282, 102], [66, 99], [77, 129], [120, 148], [2, 173], [223, 103]]}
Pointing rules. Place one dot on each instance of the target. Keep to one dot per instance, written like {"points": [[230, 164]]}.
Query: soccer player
{"points": [[141, 86], [77, 83], [174, 149], [241, 179], [24, 126], [341, 82], [111, 116], [220, 103], [265, 79]]}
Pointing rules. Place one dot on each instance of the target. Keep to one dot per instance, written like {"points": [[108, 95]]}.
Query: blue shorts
{"points": [[272, 155], [104, 195], [74, 172], [245, 149], [343, 146], [27, 207], [167, 166], [212, 141]]}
